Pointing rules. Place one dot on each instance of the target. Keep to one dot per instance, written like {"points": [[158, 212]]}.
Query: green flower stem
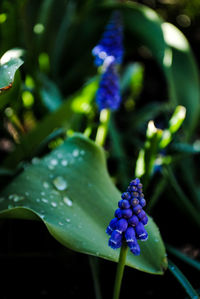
{"points": [[103, 127], [120, 271]]}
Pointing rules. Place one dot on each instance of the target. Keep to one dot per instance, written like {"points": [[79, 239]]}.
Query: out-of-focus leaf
{"points": [[132, 78], [147, 155], [9, 83], [77, 217], [9, 63], [174, 124], [50, 94], [183, 281], [184, 76], [66, 116]]}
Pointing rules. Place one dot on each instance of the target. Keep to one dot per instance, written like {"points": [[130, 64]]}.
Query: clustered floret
{"points": [[130, 219], [109, 54]]}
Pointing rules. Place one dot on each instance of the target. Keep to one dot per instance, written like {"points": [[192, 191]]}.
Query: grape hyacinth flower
{"points": [[108, 94], [110, 47], [109, 54], [130, 219]]}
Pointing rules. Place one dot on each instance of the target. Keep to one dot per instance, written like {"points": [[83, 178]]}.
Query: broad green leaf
{"points": [[71, 192]]}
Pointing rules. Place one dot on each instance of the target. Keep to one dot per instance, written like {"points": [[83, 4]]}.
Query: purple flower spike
{"points": [[111, 42], [129, 221]]}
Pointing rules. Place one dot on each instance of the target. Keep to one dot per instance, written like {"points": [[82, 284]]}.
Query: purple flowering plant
{"points": [[94, 96]]}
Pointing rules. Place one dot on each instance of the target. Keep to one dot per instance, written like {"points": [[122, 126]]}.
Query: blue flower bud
{"points": [[142, 202], [133, 188], [130, 234], [126, 195], [137, 209], [141, 232], [135, 248], [144, 220], [124, 204], [133, 221], [127, 213], [112, 226], [121, 225], [135, 194], [118, 213], [141, 215], [134, 202], [115, 240]]}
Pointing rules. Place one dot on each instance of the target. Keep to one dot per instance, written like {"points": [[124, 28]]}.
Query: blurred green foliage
{"points": [[48, 93]]}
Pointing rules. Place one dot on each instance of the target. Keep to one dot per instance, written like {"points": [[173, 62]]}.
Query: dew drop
{"points": [[51, 167], [82, 152], [54, 204], [44, 200], [46, 185], [75, 153], [60, 223], [67, 201], [59, 155], [67, 220], [35, 161], [15, 197], [60, 183], [54, 162], [42, 193], [64, 162]]}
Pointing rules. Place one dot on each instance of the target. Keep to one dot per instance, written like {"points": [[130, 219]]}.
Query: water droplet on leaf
{"points": [[67, 201], [54, 162], [75, 153], [46, 185], [64, 162], [60, 183]]}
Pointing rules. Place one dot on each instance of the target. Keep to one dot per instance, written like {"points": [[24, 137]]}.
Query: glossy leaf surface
{"points": [[71, 192]]}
